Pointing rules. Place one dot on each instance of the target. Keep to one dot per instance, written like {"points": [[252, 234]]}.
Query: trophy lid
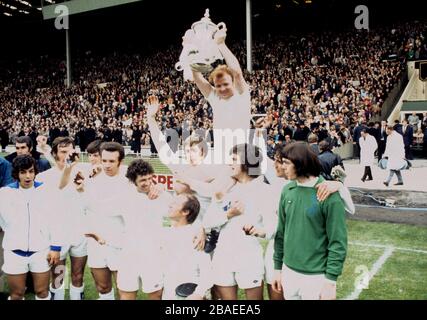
{"points": [[205, 22]]}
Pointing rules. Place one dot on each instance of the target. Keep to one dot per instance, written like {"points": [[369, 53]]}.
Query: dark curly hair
{"points": [[137, 168], [23, 162]]}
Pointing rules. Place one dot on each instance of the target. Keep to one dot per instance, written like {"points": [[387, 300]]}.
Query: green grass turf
{"points": [[403, 276], [384, 233]]}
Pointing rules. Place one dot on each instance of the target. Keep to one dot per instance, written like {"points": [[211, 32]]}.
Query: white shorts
{"points": [[103, 256], [269, 263], [298, 286], [246, 269], [133, 270], [16, 264], [77, 251], [243, 279]]}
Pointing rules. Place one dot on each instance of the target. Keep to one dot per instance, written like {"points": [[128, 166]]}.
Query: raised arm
{"points": [[204, 86], [215, 182], [166, 155], [231, 61]]}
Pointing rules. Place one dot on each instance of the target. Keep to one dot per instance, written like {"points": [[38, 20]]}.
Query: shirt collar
{"points": [[309, 183]]}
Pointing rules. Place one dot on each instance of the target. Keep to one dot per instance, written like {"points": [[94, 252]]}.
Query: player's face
{"points": [[110, 162], [64, 152], [143, 183], [26, 178], [22, 149], [224, 86], [236, 168], [278, 165], [289, 169], [194, 154], [175, 207], [94, 158]]}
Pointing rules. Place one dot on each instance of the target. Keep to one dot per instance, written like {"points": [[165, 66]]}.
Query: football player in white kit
{"points": [[75, 219], [56, 180], [143, 217], [183, 264], [191, 174], [228, 94], [102, 198], [32, 240], [245, 213]]}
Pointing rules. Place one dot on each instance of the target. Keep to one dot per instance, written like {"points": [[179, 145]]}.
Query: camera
{"points": [[72, 157], [78, 178]]}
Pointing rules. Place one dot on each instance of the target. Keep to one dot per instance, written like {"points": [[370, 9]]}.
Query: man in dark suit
{"points": [[382, 139], [90, 134], [397, 126], [4, 135], [313, 142], [302, 132], [408, 137], [323, 133], [373, 130], [24, 145]]}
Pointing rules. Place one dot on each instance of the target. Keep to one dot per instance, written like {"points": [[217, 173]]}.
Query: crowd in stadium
{"points": [[307, 88], [324, 83]]}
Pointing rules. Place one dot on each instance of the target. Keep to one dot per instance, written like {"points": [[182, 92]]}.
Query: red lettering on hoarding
{"points": [[164, 179]]}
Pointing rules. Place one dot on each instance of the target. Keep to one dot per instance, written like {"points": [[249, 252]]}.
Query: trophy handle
{"points": [[221, 26], [179, 66]]}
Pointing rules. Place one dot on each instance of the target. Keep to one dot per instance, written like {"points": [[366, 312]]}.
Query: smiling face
{"points": [[144, 183], [224, 86], [176, 206]]}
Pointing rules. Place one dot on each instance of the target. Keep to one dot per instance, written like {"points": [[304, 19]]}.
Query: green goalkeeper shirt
{"points": [[311, 236]]}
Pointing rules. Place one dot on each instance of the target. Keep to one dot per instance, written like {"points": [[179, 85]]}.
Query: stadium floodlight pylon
{"points": [[51, 11]]}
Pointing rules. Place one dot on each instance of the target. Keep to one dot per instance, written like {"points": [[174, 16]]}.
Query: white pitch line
{"points": [[375, 268], [382, 246]]}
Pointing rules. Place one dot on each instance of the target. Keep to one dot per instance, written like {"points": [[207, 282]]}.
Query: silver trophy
{"points": [[200, 50]]}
